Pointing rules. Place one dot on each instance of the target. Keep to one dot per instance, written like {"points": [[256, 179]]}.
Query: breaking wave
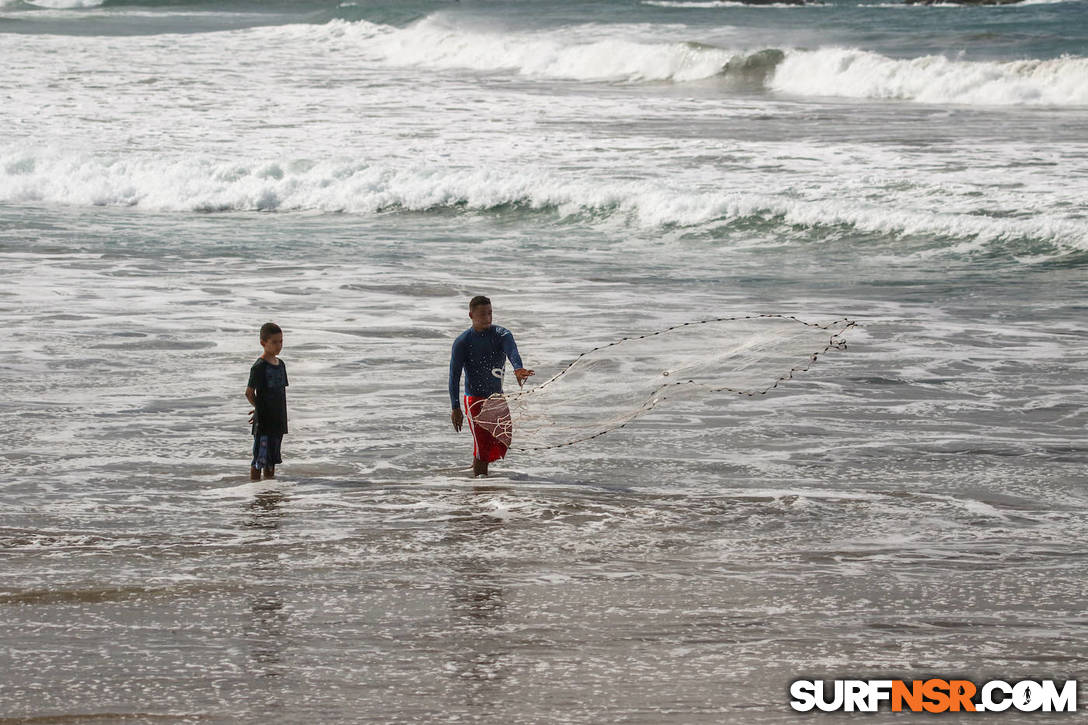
{"points": [[627, 53], [54, 4], [363, 188], [856, 73], [586, 53], [210, 4], [634, 53]]}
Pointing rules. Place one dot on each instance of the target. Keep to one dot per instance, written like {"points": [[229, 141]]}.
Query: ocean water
{"points": [[174, 174]]}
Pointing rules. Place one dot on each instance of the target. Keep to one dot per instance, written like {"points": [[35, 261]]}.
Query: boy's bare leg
{"points": [[479, 468], [270, 472], [254, 474]]}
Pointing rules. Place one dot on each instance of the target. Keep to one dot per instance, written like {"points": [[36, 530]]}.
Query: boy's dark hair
{"points": [[269, 329], [477, 301]]}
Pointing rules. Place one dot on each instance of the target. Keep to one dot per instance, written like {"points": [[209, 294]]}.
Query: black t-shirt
{"points": [[270, 383]]}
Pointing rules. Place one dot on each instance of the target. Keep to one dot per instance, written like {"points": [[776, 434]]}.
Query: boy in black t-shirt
{"points": [[267, 393]]}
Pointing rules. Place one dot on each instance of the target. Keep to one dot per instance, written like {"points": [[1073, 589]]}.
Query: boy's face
{"points": [[481, 317], [273, 344]]}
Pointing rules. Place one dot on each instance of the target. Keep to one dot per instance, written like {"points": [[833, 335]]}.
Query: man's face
{"points": [[481, 317]]}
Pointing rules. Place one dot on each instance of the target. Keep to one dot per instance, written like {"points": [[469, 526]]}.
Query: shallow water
{"points": [[912, 504]]}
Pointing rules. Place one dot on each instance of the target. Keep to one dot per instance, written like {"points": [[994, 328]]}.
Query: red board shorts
{"points": [[491, 427]]}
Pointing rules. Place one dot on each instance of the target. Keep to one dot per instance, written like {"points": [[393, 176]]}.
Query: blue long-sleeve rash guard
{"points": [[478, 354]]}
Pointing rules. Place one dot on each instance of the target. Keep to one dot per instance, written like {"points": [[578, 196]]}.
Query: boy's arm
{"points": [[251, 396], [251, 390]]}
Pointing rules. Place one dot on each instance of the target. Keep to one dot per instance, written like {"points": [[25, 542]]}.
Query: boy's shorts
{"points": [[491, 427], [266, 451]]}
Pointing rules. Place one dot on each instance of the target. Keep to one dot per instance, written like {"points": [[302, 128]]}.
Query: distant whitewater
{"points": [[635, 53], [53, 4], [856, 73], [581, 54], [317, 115]]}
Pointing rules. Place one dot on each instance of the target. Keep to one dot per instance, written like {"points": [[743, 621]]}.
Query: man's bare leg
{"points": [[270, 472], [254, 474], [479, 468]]}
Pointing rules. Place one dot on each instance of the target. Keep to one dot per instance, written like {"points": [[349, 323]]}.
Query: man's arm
{"points": [[511, 349], [457, 364]]}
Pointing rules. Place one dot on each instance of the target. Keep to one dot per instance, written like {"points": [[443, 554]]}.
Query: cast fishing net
{"points": [[606, 388]]}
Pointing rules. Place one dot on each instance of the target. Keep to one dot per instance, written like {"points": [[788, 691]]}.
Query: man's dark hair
{"points": [[269, 329], [477, 301]]}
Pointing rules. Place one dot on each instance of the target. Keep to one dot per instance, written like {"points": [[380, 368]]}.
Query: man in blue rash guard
{"points": [[481, 352]]}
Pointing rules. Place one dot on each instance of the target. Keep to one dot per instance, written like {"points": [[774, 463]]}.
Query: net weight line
{"points": [[835, 342]]}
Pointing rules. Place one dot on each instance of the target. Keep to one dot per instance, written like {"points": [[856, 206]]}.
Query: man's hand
{"points": [[458, 419], [522, 375], [252, 416]]}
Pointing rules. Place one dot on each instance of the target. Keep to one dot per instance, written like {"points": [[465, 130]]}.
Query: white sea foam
{"points": [[701, 4], [589, 53], [65, 4], [857, 73], [366, 188], [363, 130], [594, 53], [640, 53], [951, 4]]}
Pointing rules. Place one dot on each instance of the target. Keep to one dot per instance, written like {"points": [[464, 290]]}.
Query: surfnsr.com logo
{"points": [[933, 695]]}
